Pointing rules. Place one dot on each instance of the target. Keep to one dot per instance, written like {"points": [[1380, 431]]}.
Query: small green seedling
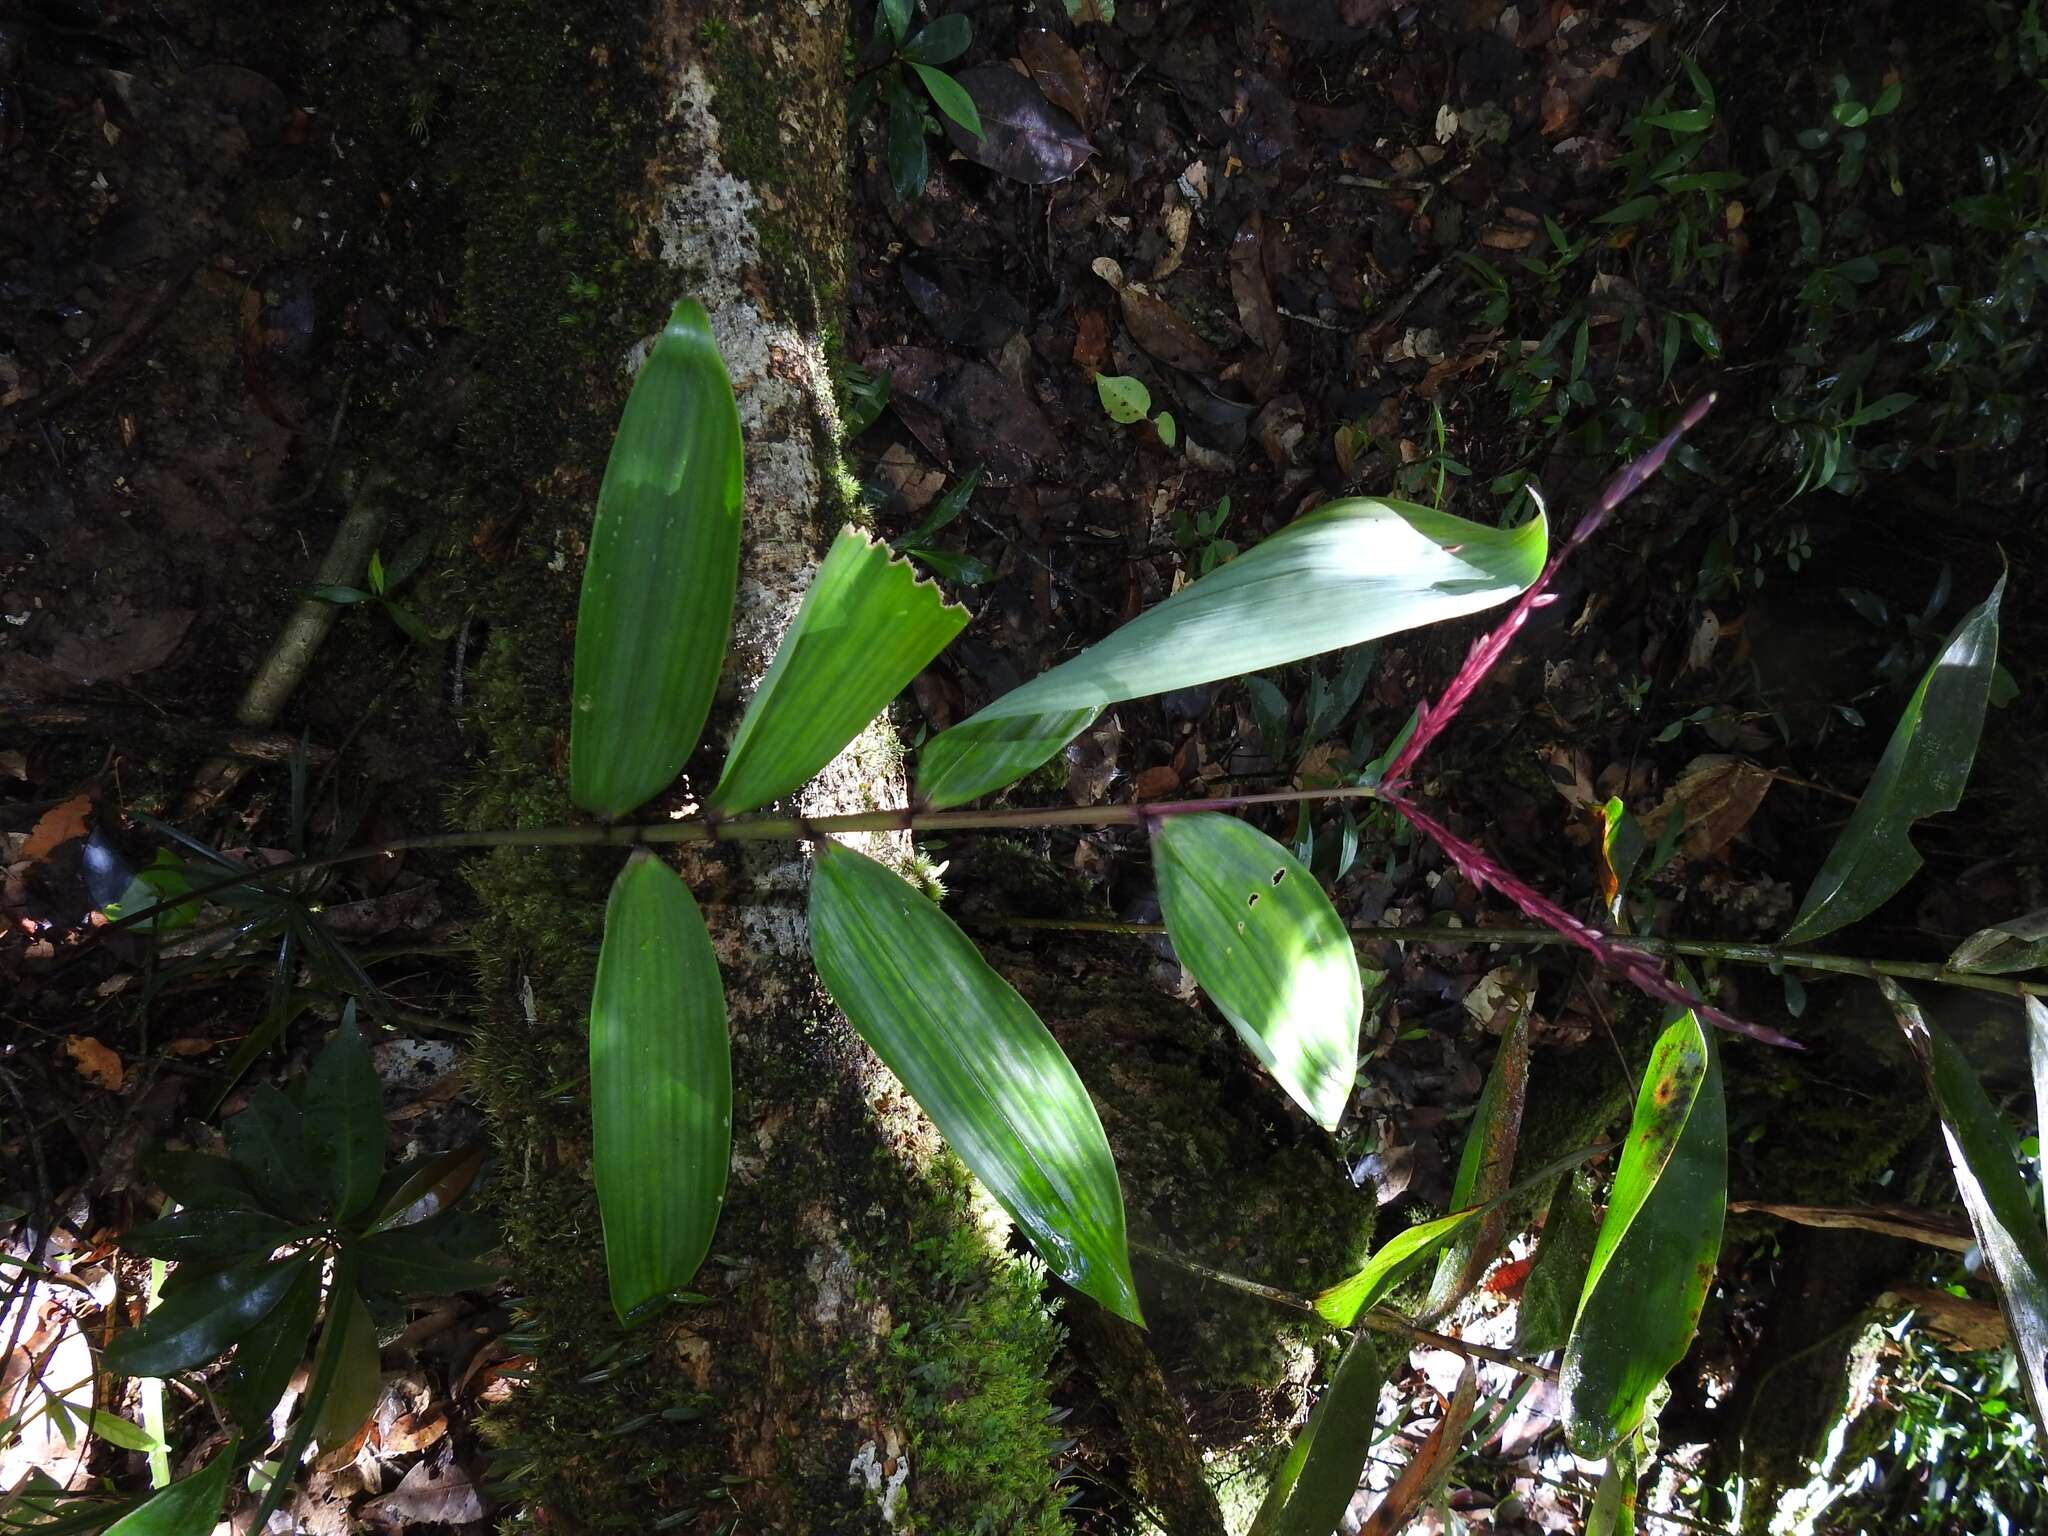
{"points": [[917, 544], [383, 583], [1126, 400], [1197, 534], [912, 62]]}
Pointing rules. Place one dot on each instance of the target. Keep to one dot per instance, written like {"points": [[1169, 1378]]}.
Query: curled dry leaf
{"points": [[55, 827]]}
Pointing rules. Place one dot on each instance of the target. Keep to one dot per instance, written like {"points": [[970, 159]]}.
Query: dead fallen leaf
{"points": [[1025, 137], [1155, 327], [1069, 82], [1718, 795], [95, 1062], [190, 1045], [56, 826], [1155, 784], [1571, 774], [432, 1493], [1430, 1465], [1091, 339], [14, 765]]}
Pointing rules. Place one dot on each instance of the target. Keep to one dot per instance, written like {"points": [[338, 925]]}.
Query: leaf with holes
{"points": [[660, 1088], [658, 584], [1654, 1258], [979, 1062], [1346, 573], [867, 626], [1259, 936], [1923, 771]]}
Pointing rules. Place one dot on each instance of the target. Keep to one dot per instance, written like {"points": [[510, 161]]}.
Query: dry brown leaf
{"points": [[1571, 774], [1155, 784], [58, 825], [14, 765], [190, 1045], [1719, 795], [95, 1062], [1430, 1465], [430, 1494]]}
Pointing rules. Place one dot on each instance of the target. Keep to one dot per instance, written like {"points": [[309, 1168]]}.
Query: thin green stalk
{"points": [[743, 829], [1769, 955], [1378, 1321]]}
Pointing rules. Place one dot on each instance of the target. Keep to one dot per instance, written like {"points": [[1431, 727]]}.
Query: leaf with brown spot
{"points": [[1717, 795], [1485, 1169], [57, 826], [95, 1062]]}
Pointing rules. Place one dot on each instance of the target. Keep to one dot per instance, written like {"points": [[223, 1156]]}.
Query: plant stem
{"points": [[1708, 949], [1378, 1321], [706, 829]]}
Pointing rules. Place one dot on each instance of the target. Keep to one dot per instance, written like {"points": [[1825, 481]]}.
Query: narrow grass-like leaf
{"points": [[979, 1062], [1994, 1190], [1257, 933], [1321, 1474], [1346, 573], [1922, 772], [1485, 1169], [1654, 1258], [658, 584], [867, 627], [345, 1119], [1550, 1294], [660, 1086], [190, 1507], [199, 1323], [1431, 1464], [2017, 944]]}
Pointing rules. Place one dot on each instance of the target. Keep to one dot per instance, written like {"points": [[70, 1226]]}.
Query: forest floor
{"points": [[1352, 248]]}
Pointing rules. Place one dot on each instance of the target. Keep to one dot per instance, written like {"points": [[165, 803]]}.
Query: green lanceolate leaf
{"points": [[431, 1258], [268, 1355], [1550, 1295], [429, 1187], [1614, 1501], [1320, 1476], [210, 1232], [1346, 573], [951, 96], [126, 1433], [199, 1178], [867, 627], [1654, 1258], [1257, 933], [345, 1120], [660, 1086], [357, 1382], [979, 1062], [1922, 772], [269, 1140], [658, 584], [1389, 1265], [190, 1507], [1485, 1169], [198, 1324], [1994, 1190], [980, 756], [2017, 944]]}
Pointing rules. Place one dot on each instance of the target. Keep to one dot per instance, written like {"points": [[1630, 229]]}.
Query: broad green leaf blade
{"points": [[268, 1355], [198, 1324], [660, 1086], [658, 584], [980, 756], [1346, 573], [1485, 1169], [979, 1062], [269, 1140], [1387, 1268], [431, 1258], [867, 627], [1614, 1501], [187, 1508], [940, 42], [430, 1188], [1257, 933], [1124, 399], [199, 1179], [1994, 1190], [1423, 1478], [345, 1119], [357, 1382], [1922, 772], [1550, 1294], [1654, 1258], [2017, 944], [1321, 1474], [951, 96], [209, 1232]]}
